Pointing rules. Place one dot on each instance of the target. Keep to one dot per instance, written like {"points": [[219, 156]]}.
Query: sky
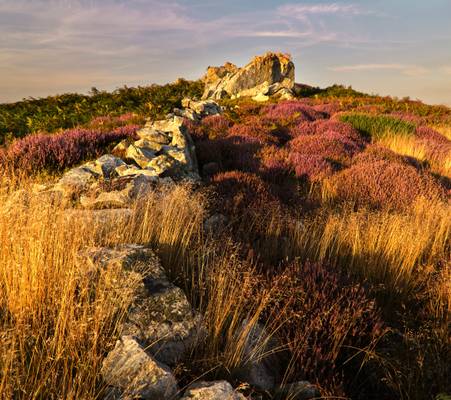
{"points": [[387, 47]]}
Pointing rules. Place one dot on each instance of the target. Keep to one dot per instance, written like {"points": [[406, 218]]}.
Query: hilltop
{"points": [[242, 236]]}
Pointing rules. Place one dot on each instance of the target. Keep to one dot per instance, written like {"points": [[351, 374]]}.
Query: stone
{"points": [[122, 192], [107, 164], [153, 135], [202, 108], [140, 155], [163, 164], [113, 199], [149, 144], [76, 181], [261, 367], [160, 316], [132, 170], [131, 369], [301, 390], [163, 320], [121, 148], [106, 218], [216, 390], [260, 97], [254, 78]]}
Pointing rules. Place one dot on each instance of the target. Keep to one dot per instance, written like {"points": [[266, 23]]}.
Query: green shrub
{"points": [[376, 126]]}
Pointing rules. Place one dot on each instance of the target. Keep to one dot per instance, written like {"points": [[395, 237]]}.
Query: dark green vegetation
{"points": [[69, 110]]}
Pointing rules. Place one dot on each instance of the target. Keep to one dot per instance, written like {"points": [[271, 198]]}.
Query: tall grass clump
{"points": [[376, 126]]}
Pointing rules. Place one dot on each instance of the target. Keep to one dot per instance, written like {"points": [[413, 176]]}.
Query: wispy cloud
{"points": [[406, 69], [302, 10]]}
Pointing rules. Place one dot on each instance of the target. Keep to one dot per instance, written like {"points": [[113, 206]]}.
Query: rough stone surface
{"points": [[137, 374], [260, 366], [264, 75], [301, 390], [217, 390], [76, 181], [160, 316]]}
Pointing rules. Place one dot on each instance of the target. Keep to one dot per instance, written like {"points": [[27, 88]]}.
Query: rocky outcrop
{"points": [[217, 390], [269, 75], [132, 373]]}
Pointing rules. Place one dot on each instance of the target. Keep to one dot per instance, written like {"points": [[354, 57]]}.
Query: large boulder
{"points": [[264, 75], [217, 390], [135, 374]]}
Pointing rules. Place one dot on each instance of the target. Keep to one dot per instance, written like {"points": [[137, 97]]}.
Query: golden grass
{"points": [[385, 248], [57, 321], [408, 145], [445, 130]]}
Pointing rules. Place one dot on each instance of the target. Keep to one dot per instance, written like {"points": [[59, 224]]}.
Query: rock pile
{"points": [[163, 152], [269, 75]]}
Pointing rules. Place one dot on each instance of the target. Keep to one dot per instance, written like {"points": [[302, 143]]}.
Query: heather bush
{"points": [[243, 192], [330, 145], [211, 127], [384, 184], [312, 167], [56, 152], [255, 127], [324, 126], [291, 111], [328, 325]]}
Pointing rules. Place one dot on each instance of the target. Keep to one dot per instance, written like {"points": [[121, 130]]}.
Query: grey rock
{"points": [[132, 170], [108, 164], [131, 369], [301, 390], [160, 316], [153, 135], [260, 367], [140, 155], [254, 78], [76, 181], [217, 390]]}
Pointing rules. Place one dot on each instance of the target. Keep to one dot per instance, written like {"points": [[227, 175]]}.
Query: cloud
{"points": [[301, 11], [406, 69], [447, 70]]}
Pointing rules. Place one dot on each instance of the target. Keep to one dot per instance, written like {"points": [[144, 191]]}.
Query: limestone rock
{"points": [[132, 170], [217, 390], [160, 316], [301, 390], [253, 79], [137, 374], [76, 180], [140, 155], [108, 164], [123, 191], [153, 135], [261, 367]]}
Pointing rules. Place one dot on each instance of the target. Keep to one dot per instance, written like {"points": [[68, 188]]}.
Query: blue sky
{"points": [[389, 47]]}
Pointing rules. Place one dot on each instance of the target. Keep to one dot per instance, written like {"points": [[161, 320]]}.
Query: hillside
{"points": [[236, 237]]}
